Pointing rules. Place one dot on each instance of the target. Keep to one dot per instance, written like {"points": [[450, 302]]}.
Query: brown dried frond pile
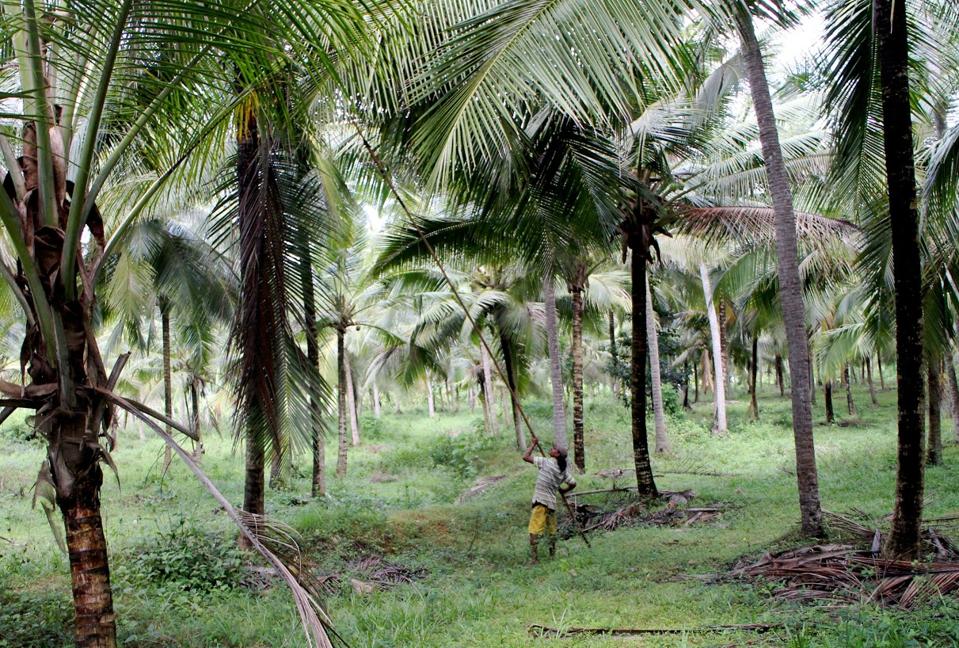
{"points": [[848, 573], [622, 510]]}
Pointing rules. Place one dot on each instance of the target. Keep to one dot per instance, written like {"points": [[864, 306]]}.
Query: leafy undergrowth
{"points": [[443, 572]]}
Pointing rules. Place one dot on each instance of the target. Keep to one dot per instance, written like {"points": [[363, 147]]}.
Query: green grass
{"points": [[400, 500]]}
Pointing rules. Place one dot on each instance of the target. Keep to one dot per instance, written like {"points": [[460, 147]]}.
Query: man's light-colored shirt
{"points": [[549, 480]]}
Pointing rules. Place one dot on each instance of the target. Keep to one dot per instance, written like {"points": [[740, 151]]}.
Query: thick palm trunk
{"points": [[850, 403], [555, 365], [753, 369], [167, 377], [579, 444], [934, 455], [719, 388], [513, 393], [343, 439], [893, 54], [953, 393], [645, 484], [872, 386], [652, 338], [827, 397], [95, 625], [254, 483], [791, 298]]}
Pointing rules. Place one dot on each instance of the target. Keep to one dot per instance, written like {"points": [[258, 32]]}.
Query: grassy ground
{"points": [[176, 573]]}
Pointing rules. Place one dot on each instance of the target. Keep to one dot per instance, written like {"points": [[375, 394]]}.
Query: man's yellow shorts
{"points": [[541, 520]]}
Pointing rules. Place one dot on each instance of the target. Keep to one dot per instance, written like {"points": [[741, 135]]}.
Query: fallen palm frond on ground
{"points": [[620, 509], [370, 573], [849, 574], [546, 632]]}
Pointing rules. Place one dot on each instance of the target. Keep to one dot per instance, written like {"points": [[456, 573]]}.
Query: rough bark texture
{"points": [[89, 567], [576, 348], [639, 240], [719, 387], [791, 298], [934, 455], [343, 439], [511, 384], [893, 55], [753, 369], [652, 337], [555, 365]]}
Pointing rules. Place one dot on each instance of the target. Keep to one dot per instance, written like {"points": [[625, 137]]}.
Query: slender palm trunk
{"points": [[167, 377], [724, 344], [686, 405], [613, 354], [430, 403], [934, 453], [318, 476], [850, 403], [872, 386], [195, 415], [953, 393], [780, 378], [513, 393], [351, 399], [893, 53], [645, 484], [882, 380], [377, 407], [790, 292], [696, 382], [555, 365], [719, 388], [579, 442], [659, 413], [344, 443], [753, 367], [827, 397], [489, 416]]}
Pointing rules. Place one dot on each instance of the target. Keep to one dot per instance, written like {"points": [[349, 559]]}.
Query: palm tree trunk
{"points": [[872, 387], [892, 49], [753, 367], [195, 415], [719, 388], [791, 298], [686, 405], [489, 416], [95, 625], [659, 413], [724, 345], [377, 407], [351, 399], [167, 377], [934, 454], [613, 354], [255, 481], [696, 382], [343, 449], [827, 396], [430, 403], [953, 393], [576, 348], [555, 365], [318, 476], [882, 380], [780, 378], [850, 403], [645, 484], [513, 393]]}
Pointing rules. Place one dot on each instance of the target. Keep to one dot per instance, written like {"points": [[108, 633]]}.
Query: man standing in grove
{"points": [[553, 476]]}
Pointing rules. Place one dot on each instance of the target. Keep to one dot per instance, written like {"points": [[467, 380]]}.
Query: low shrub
{"points": [[188, 559]]}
